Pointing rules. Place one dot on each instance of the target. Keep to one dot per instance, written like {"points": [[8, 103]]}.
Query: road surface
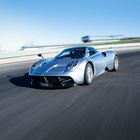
{"points": [[108, 109]]}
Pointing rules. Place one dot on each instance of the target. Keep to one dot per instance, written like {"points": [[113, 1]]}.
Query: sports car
{"points": [[73, 66]]}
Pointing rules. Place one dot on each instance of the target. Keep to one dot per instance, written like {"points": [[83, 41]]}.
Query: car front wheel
{"points": [[88, 76]]}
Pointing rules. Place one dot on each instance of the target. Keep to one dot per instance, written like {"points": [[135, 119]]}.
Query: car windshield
{"points": [[73, 53]]}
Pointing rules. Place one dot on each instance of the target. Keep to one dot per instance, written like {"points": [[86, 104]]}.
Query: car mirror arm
{"points": [[104, 54]]}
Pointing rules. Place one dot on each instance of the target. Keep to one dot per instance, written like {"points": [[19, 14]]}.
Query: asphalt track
{"points": [[108, 109]]}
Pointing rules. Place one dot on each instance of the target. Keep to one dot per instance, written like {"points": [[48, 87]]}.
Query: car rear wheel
{"points": [[116, 63], [88, 76]]}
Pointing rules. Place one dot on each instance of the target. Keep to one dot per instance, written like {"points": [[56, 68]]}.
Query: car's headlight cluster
{"points": [[36, 64], [71, 65]]}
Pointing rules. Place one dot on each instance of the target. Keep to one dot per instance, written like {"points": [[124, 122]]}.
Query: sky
{"points": [[44, 22]]}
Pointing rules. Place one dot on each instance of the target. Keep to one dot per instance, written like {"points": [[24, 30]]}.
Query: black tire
{"points": [[115, 64], [89, 74]]}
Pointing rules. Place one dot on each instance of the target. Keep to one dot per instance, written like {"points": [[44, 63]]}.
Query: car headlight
{"points": [[36, 64], [71, 65], [33, 67]]}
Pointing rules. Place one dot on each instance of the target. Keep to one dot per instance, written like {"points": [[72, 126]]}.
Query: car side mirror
{"points": [[104, 54], [40, 55]]}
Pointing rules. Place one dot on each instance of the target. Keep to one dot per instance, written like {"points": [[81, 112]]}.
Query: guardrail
{"points": [[52, 51]]}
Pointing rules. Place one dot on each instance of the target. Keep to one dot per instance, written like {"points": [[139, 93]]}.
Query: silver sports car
{"points": [[77, 65]]}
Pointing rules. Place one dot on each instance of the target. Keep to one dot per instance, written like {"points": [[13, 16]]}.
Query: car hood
{"points": [[51, 66]]}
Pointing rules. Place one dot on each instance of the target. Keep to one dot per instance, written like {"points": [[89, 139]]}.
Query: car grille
{"points": [[53, 80]]}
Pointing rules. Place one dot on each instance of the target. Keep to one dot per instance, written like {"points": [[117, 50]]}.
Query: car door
{"points": [[98, 59]]}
